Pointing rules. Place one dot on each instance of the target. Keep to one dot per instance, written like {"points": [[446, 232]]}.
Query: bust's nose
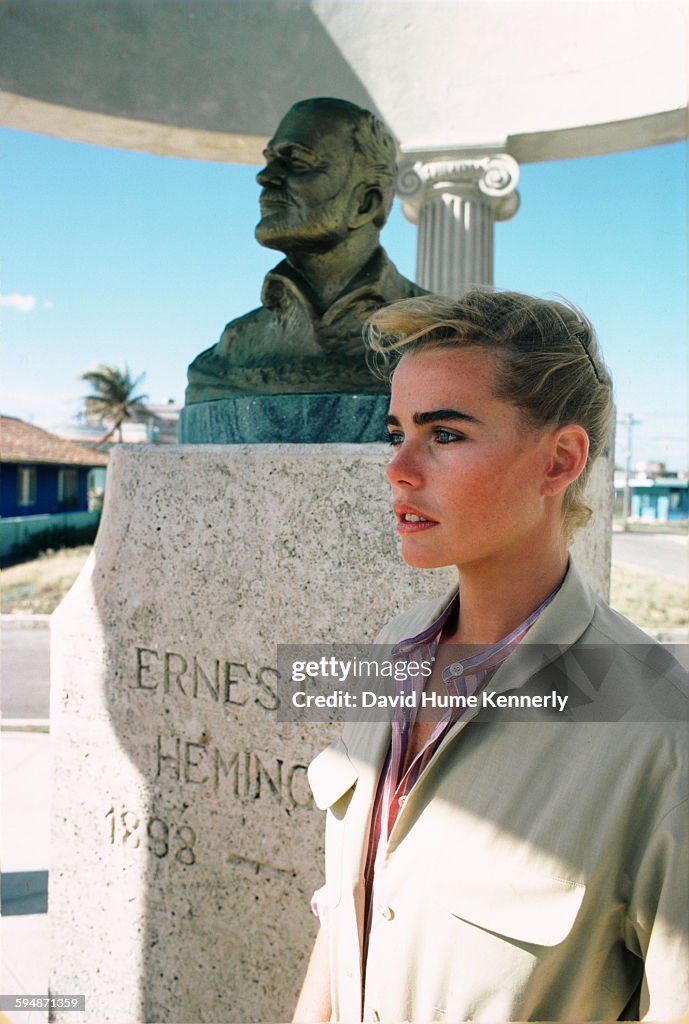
{"points": [[271, 174]]}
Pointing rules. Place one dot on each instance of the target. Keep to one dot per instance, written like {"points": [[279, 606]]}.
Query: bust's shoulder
{"points": [[237, 329], [395, 285], [255, 322], [411, 290]]}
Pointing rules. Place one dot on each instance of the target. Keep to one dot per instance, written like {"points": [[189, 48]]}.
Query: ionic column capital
{"points": [[490, 178]]}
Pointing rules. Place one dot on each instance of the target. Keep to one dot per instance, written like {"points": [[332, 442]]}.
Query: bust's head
{"points": [[330, 170]]}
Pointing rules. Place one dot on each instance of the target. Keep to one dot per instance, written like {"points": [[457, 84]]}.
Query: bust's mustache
{"points": [[270, 197]]}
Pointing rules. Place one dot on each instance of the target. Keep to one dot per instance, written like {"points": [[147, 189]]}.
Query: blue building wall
{"points": [[660, 502], [8, 488], [46, 490]]}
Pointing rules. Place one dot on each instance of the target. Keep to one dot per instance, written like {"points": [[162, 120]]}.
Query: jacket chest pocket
{"points": [[532, 909]]}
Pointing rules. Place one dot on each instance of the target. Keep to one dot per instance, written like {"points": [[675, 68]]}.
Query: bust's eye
{"points": [[294, 160]]}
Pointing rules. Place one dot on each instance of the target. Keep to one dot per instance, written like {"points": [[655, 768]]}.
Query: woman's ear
{"points": [[569, 451]]}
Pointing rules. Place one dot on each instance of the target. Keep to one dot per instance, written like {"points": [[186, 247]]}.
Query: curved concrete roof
{"points": [[544, 79]]}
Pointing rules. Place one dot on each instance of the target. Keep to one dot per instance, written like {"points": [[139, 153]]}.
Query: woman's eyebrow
{"points": [[421, 418]]}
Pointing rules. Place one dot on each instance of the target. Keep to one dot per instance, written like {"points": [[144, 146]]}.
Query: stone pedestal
{"points": [[455, 199], [185, 842], [270, 419]]}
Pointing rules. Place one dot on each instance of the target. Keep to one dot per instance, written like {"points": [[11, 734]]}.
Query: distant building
{"points": [[161, 421], [46, 482], [656, 494], [158, 423]]}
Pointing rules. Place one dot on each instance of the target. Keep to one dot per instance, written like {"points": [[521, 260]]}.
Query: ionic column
{"points": [[455, 200]]}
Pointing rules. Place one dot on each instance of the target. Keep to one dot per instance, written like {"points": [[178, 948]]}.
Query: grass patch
{"points": [[38, 586], [649, 600]]}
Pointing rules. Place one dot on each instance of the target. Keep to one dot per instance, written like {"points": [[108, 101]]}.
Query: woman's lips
{"points": [[404, 526], [412, 520]]}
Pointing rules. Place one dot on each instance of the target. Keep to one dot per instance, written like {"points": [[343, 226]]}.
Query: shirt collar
{"points": [[284, 280], [431, 634]]}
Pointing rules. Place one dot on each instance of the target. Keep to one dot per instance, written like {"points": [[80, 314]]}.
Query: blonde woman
{"points": [[486, 867]]}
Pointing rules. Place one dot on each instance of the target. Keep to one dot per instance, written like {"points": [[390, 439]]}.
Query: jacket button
{"points": [[386, 912]]}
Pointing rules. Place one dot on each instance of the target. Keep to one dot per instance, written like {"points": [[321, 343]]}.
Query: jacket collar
{"points": [[561, 623], [558, 627], [283, 286]]}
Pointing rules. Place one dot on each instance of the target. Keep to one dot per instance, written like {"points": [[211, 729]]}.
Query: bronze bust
{"points": [[326, 191]]}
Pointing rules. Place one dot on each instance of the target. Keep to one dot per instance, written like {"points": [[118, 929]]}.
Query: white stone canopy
{"points": [[537, 79]]}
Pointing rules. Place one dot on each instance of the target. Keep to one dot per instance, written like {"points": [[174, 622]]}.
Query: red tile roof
{"points": [[22, 442]]}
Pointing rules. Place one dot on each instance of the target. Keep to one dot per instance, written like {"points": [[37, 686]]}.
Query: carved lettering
{"points": [[266, 691], [251, 775], [158, 833], [226, 768], [187, 837], [275, 784], [247, 772], [163, 838], [173, 671], [130, 824], [298, 771], [170, 761], [142, 667], [199, 672], [232, 680], [258, 867], [190, 764]]}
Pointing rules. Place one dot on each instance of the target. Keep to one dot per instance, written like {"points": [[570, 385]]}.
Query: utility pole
{"points": [[629, 422]]}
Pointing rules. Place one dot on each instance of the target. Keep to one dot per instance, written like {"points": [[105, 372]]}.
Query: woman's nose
{"points": [[404, 467]]}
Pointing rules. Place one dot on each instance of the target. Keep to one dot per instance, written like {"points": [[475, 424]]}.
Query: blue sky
{"points": [[113, 256]]}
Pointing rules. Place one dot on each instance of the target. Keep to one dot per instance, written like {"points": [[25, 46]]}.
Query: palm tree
{"points": [[114, 401]]}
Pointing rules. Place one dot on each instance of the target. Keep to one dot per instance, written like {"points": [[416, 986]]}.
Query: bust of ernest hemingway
{"points": [[326, 191]]}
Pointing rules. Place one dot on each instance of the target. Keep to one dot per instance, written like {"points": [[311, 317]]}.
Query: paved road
{"points": [[25, 662], [664, 553]]}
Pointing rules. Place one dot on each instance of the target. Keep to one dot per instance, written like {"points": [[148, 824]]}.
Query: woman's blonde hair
{"points": [[550, 366]]}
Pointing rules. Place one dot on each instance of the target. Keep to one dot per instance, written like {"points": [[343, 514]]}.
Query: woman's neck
{"points": [[493, 601]]}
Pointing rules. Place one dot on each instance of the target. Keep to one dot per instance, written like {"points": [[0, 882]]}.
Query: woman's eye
{"points": [[394, 438], [447, 436]]}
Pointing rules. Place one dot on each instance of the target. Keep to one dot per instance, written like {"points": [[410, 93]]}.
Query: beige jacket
{"points": [[538, 870]]}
